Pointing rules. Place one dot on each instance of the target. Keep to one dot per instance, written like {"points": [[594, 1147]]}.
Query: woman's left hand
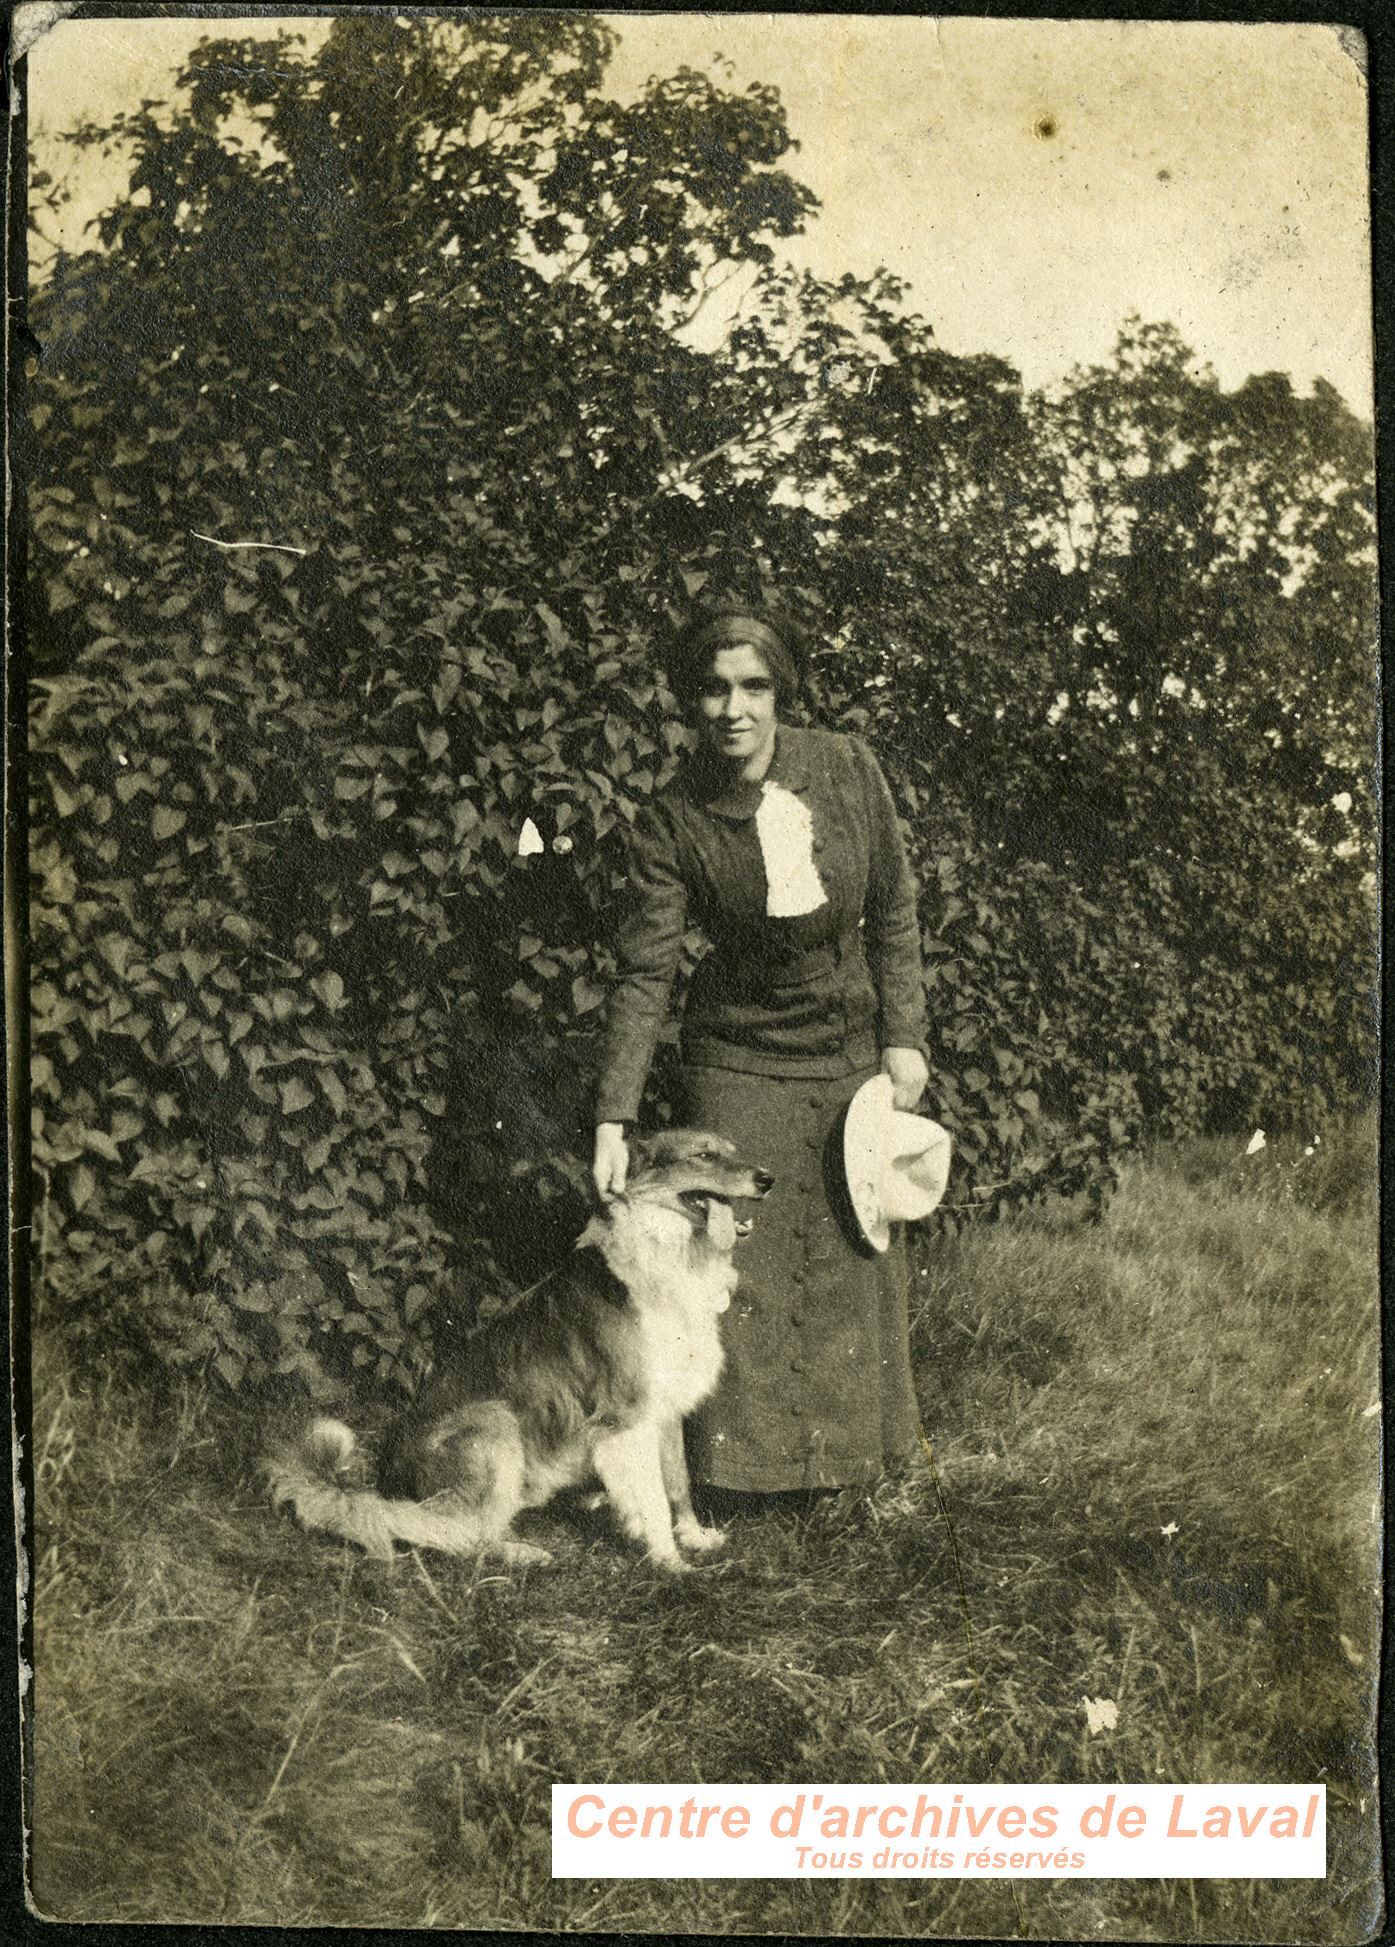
{"points": [[909, 1075]]}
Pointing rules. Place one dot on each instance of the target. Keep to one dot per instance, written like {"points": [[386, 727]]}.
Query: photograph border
{"points": [[1374, 18]]}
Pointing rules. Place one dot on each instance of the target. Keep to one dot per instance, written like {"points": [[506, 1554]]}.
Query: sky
{"points": [[1034, 182]]}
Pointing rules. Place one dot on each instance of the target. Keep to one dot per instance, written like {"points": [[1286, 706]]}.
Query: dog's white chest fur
{"points": [[679, 1289], [682, 1356]]}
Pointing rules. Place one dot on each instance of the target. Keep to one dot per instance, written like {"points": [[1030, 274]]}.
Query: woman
{"points": [[782, 845]]}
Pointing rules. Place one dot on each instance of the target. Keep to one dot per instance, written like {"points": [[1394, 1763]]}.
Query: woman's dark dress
{"points": [[785, 1018]]}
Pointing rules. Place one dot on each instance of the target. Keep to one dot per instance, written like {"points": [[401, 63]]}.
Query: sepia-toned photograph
{"points": [[697, 998]]}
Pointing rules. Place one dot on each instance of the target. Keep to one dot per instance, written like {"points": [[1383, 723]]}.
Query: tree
{"points": [[1142, 609], [282, 919], [370, 467]]}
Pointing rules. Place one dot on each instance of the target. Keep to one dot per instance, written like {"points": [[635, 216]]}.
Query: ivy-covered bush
{"points": [[369, 465]]}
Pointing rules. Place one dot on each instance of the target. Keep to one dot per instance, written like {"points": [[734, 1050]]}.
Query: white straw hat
{"points": [[895, 1166]]}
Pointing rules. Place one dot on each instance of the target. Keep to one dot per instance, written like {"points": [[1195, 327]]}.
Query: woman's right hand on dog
{"points": [[611, 1165]]}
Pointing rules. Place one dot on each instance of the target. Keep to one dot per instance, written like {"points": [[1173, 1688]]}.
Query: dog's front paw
{"points": [[701, 1540]]}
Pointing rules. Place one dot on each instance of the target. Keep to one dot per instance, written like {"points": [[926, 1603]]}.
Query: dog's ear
{"points": [[641, 1150]]}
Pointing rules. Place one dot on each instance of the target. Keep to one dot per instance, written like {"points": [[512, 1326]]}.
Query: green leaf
{"points": [[295, 1095], [447, 687], [229, 1368], [330, 989], [166, 820], [317, 1197], [335, 1092]]}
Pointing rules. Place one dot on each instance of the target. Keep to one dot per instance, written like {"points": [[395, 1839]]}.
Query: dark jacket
{"points": [[820, 993]]}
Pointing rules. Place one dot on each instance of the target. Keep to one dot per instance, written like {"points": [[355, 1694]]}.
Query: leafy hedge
{"points": [[313, 1040]]}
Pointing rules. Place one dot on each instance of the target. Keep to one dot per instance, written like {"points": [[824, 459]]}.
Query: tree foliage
{"points": [[313, 1040]]}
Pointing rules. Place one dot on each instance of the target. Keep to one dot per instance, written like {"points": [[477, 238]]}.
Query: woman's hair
{"points": [[775, 637]]}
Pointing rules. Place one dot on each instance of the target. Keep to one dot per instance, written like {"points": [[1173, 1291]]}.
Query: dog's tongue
{"points": [[721, 1225]]}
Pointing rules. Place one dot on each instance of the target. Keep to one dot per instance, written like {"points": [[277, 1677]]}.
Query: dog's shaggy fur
{"points": [[586, 1376]]}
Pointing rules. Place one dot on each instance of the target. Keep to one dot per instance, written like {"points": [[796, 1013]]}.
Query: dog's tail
{"points": [[320, 1478]]}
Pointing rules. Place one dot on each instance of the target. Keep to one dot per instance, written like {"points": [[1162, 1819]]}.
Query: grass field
{"points": [[1159, 1451]]}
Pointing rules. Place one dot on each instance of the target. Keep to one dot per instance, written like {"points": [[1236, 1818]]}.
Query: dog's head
{"points": [[698, 1174]]}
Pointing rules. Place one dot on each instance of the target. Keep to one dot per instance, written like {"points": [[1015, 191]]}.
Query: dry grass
{"points": [[1156, 1448]]}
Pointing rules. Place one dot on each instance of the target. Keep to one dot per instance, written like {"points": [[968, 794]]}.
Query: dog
{"points": [[586, 1376]]}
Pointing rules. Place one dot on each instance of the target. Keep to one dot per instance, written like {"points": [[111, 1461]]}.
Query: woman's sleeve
{"points": [[651, 922], [891, 922]]}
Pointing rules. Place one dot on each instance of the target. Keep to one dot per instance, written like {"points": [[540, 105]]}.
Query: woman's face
{"points": [[736, 709]]}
